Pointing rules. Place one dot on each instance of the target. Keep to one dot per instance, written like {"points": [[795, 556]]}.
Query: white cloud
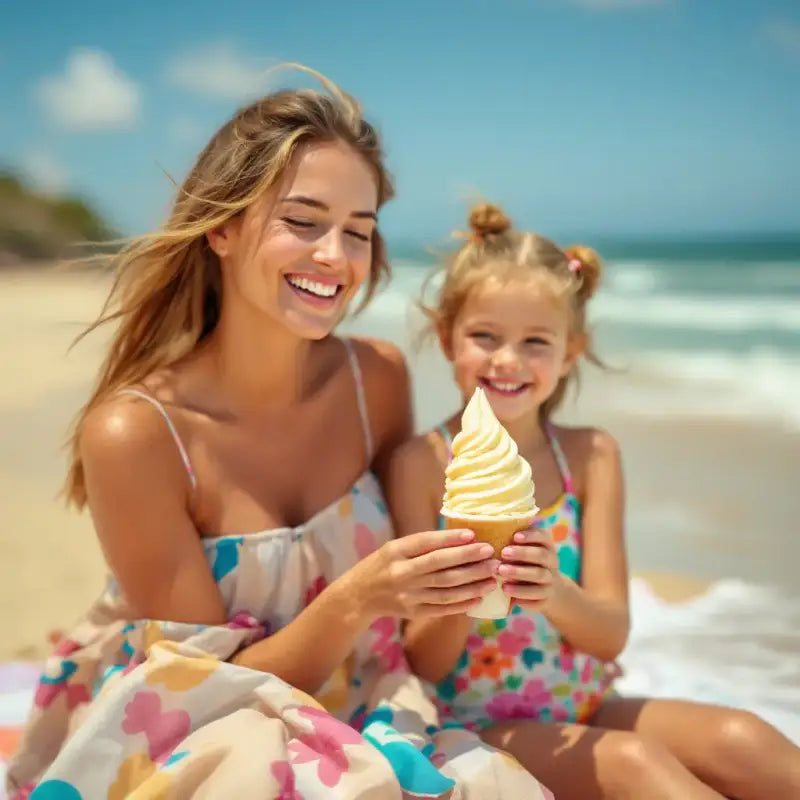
{"points": [[784, 35], [218, 70], [43, 171], [92, 94]]}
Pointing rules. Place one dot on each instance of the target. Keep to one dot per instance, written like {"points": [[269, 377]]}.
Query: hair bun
{"points": [[488, 220], [591, 267]]}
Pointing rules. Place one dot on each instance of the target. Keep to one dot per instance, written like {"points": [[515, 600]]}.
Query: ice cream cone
{"points": [[488, 489], [498, 532]]}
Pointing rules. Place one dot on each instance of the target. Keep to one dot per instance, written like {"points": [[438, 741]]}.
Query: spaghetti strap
{"points": [[561, 459], [448, 440], [171, 425], [360, 397]]}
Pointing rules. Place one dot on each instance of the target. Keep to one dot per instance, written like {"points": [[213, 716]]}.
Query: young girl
{"points": [[229, 455], [511, 318]]}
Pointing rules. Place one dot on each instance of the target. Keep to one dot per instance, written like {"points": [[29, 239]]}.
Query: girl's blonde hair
{"points": [[494, 249], [166, 295]]}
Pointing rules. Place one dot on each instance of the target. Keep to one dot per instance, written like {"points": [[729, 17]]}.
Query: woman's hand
{"points": [[430, 574], [529, 569]]}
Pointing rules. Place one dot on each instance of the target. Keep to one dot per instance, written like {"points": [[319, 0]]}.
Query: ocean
{"points": [[718, 319]]}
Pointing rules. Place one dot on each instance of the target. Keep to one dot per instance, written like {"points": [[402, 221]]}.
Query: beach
{"points": [[712, 505]]}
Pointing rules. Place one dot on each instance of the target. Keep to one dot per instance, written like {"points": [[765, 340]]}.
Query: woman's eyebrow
{"points": [[313, 203]]}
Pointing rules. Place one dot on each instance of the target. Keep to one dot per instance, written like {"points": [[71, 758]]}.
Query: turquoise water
{"points": [[710, 315]]}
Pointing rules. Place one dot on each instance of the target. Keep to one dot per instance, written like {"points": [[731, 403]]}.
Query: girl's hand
{"points": [[529, 569], [428, 574]]}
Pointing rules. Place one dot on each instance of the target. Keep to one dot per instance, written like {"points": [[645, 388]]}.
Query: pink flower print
{"points": [[462, 684], [536, 691], [387, 646], [393, 656], [445, 709], [75, 694], [283, 773], [325, 744], [50, 688], [586, 672], [510, 705], [520, 705], [241, 620], [364, 541], [474, 642], [136, 661], [164, 730], [560, 714], [566, 658], [315, 590], [66, 647], [386, 630], [516, 637]]}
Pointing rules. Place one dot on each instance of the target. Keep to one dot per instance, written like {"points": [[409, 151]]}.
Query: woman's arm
{"points": [[593, 616], [139, 495], [400, 579], [307, 651], [414, 491]]}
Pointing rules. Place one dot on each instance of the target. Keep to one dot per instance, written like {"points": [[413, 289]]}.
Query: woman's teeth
{"points": [[314, 287]]}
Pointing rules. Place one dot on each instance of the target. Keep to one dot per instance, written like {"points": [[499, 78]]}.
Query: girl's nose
{"points": [[505, 356]]}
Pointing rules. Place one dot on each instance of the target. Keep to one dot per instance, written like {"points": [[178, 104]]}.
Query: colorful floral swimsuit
{"points": [[521, 667], [151, 709]]}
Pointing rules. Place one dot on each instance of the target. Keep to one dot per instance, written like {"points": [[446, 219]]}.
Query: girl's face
{"points": [[512, 339], [300, 253]]}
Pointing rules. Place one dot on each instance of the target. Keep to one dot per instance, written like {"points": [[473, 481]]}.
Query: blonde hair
{"points": [[167, 291], [494, 249]]}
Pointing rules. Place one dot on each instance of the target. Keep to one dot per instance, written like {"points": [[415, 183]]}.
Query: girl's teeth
{"points": [[314, 287], [506, 387]]}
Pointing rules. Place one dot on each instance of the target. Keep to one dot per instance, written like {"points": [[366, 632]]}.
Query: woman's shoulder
{"points": [[381, 360], [130, 430], [387, 386]]}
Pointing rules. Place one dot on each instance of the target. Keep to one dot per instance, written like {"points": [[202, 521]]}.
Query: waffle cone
{"points": [[497, 532]]}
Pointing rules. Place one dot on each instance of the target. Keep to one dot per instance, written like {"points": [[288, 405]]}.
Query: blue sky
{"points": [[581, 116]]}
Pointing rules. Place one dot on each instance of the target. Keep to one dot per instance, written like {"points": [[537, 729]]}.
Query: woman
{"points": [[230, 456]]}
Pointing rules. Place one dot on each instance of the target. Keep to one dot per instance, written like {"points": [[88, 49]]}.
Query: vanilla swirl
{"points": [[486, 476]]}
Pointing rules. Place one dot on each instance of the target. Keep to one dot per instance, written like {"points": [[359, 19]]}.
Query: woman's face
{"points": [[300, 253]]}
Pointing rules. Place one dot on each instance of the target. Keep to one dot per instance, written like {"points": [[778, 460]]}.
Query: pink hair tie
{"points": [[574, 265]]}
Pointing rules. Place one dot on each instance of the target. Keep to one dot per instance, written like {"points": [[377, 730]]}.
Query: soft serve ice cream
{"points": [[488, 489]]}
